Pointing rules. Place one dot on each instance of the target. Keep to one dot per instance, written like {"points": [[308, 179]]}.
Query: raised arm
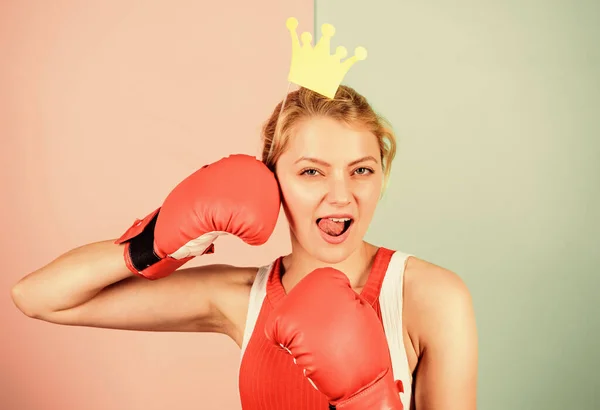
{"points": [[130, 283], [91, 286]]}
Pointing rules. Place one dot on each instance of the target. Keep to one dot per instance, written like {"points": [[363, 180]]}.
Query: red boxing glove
{"points": [[336, 337], [236, 195]]}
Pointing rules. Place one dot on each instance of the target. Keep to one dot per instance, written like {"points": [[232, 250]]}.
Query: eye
{"points": [[363, 171], [311, 172]]}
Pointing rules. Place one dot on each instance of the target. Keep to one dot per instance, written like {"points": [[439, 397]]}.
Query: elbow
{"points": [[20, 301]]}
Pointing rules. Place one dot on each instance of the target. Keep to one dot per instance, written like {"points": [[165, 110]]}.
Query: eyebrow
{"points": [[326, 164]]}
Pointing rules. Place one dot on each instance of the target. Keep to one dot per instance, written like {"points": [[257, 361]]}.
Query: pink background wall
{"points": [[104, 107]]}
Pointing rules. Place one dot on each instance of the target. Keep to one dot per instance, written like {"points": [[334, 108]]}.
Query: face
{"points": [[331, 179]]}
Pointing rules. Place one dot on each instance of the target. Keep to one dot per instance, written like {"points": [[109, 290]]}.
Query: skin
{"points": [[91, 286], [318, 179]]}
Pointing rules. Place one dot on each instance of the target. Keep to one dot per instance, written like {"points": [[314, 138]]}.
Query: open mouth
{"points": [[334, 226]]}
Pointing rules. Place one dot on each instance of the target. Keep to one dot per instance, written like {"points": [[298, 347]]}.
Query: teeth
{"points": [[339, 219]]}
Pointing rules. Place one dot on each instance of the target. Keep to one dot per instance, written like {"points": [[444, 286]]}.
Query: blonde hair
{"points": [[348, 106]]}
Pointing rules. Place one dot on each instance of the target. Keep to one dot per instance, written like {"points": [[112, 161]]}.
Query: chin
{"points": [[333, 254]]}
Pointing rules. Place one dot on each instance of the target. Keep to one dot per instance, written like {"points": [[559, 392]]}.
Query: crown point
{"points": [[341, 52], [292, 23], [327, 30], [360, 53], [306, 38]]}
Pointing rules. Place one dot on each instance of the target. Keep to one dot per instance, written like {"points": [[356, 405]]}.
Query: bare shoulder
{"points": [[441, 322], [435, 297]]}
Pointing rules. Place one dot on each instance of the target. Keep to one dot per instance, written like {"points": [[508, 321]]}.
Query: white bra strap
{"points": [[390, 301], [257, 296]]}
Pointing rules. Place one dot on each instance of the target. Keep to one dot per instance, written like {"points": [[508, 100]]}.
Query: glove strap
{"points": [[141, 247], [383, 394], [139, 254]]}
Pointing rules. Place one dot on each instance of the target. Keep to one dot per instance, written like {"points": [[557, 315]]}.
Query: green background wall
{"points": [[496, 106]]}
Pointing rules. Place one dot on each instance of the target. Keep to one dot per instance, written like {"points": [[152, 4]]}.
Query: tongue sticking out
{"points": [[331, 227]]}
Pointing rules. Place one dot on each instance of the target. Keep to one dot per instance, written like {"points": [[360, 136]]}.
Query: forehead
{"points": [[330, 140]]}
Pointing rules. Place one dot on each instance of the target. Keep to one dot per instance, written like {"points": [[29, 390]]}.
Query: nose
{"points": [[339, 191]]}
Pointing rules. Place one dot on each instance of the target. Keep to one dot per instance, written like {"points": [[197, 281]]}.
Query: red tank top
{"points": [[268, 377]]}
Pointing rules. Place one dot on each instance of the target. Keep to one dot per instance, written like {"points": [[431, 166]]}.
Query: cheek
{"points": [[299, 199], [367, 196]]}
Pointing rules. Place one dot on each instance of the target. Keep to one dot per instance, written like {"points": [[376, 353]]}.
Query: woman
{"points": [[330, 159]]}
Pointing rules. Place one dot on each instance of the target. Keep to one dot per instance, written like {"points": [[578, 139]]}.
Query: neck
{"points": [[356, 266]]}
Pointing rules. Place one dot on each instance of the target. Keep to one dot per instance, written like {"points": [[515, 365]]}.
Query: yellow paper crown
{"points": [[315, 68]]}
